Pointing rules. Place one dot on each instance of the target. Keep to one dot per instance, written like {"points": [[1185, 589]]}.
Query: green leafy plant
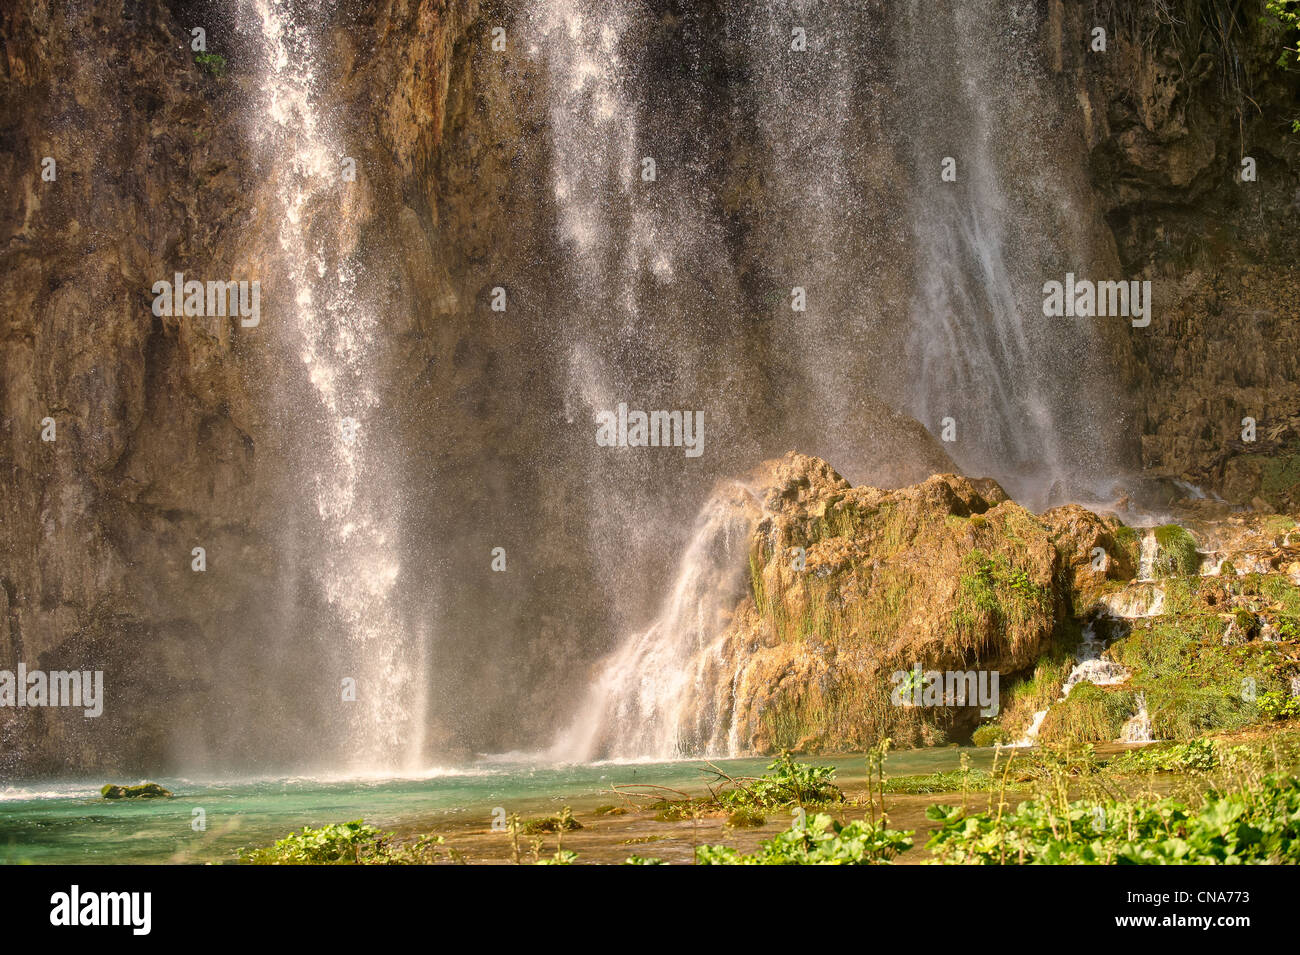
{"points": [[1260, 825], [787, 782], [1198, 755], [1278, 706], [1285, 17], [337, 843], [349, 843], [822, 841]]}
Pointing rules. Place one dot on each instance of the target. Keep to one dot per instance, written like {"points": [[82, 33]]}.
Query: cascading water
{"points": [[334, 336], [981, 353], [979, 346], [1138, 727], [1091, 668], [648, 700]]}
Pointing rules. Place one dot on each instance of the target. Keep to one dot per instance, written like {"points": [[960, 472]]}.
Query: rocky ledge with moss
{"points": [[851, 585]]}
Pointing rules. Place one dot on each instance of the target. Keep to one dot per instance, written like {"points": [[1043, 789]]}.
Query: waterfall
{"points": [[1147, 557], [333, 336], [1138, 727], [1090, 668], [647, 698], [846, 145], [1013, 382]]}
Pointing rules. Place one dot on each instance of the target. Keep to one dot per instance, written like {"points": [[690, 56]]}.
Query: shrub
{"points": [[338, 844], [823, 841]]}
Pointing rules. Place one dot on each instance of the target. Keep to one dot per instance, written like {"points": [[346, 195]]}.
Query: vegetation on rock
{"points": [[140, 791]]}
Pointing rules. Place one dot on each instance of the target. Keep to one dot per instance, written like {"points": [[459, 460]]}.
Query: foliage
{"points": [[786, 783], [745, 818], [564, 822], [643, 860], [1089, 714], [974, 780], [991, 588], [822, 841], [214, 63], [1176, 555], [988, 734], [347, 843], [1192, 683], [1259, 826], [561, 857], [1198, 755], [1278, 706], [1286, 17]]}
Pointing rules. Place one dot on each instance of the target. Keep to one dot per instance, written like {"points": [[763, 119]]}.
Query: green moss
{"points": [[745, 819], [1192, 683], [993, 591], [1282, 592], [1176, 555], [1276, 525], [989, 734], [1089, 714], [214, 63], [141, 791], [561, 823], [1280, 475], [955, 781]]}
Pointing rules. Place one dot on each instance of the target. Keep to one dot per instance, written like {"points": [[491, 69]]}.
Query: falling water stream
{"points": [[335, 335]]}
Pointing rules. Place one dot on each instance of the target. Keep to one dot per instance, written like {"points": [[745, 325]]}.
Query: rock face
{"points": [[156, 426], [1170, 110]]}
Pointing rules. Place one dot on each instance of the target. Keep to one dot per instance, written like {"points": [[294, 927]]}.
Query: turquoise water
{"points": [[67, 821]]}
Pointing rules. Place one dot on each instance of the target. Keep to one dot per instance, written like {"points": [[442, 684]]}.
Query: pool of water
{"points": [[66, 821]]}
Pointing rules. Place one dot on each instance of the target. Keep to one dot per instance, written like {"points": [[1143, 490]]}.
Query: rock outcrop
{"points": [[852, 585]]}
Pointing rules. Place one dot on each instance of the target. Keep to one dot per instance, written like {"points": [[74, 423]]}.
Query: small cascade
{"points": [[1138, 728], [1134, 602], [1147, 558], [1091, 668], [1031, 734]]}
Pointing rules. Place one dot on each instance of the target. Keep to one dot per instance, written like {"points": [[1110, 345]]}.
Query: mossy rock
{"points": [[550, 824], [1090, 714], [745, 819], [1176, 555], [988, 735], [142, 791]]}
